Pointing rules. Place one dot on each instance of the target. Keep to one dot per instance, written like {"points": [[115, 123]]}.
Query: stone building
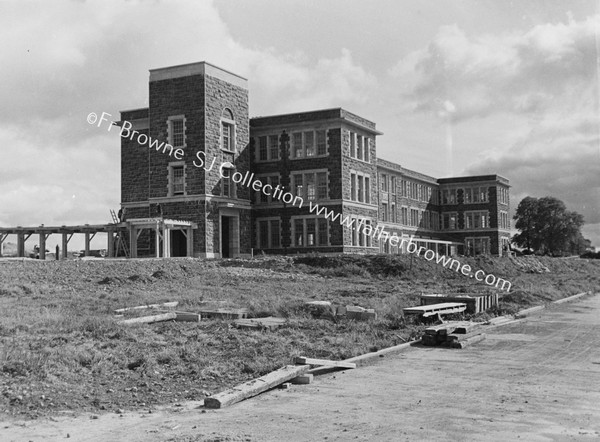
{"points": [[200, 178]]}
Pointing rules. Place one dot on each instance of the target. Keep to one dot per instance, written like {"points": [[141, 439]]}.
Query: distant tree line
{"points": [[547, 227]]}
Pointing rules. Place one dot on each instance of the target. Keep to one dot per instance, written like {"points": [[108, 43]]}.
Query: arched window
{"points": [[227, 130]]}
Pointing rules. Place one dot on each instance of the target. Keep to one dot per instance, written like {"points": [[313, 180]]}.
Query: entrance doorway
{"points": [[178, 243], [226, 231]]}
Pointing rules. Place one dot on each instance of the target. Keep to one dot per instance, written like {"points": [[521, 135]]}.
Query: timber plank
{"points": [[255, 386], [150, 319], [171, 304], [326, 362], [270, 323], [187, 317], [224, 313]]}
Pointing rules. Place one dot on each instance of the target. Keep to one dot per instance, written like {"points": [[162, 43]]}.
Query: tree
{"points": [[546, 226]]}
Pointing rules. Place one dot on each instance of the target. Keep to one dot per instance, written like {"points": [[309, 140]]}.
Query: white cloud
{"points": [[522, 72]]}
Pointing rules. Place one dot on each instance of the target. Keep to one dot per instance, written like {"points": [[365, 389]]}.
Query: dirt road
{"points": [[534, 380]]}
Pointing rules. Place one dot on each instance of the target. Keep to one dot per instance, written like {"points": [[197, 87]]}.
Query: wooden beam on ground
{"points": [[255, 386], [187, 317], [224, 313], [268, 323], [326, 362], [150, 319], [170, 304]]}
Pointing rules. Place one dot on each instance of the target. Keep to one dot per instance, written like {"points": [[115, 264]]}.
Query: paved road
{"points": [[535, 380]]}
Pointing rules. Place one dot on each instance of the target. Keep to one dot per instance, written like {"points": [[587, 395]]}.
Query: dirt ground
{"points": [[534, 380]]}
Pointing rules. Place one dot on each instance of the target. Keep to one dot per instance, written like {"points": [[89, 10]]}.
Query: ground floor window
{"points": [[310, 232], [477, 246], [269, 233]]}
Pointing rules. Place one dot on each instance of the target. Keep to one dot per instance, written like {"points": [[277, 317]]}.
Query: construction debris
{"points": [[255, 386], [268, 323], [457, 334], [443, 308], [187, 317], [355, 312], [224, 313], [325, 362], [150, 319], [476, 303], [172, 304], [319, 309]]}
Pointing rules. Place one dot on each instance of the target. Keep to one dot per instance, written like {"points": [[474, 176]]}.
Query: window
{"points": [[267, 197], [227, 131], [298, 147], [476, 220], [359, 147], [263, 153], [227, 185], [361, 188], [404, 217], [360, 233], [449, 221], [310, 232], [384, 212], [475, 195], [449, 196], [309, 144], [269, 233], [477, 246], [310, 185], [393, 213], [504, 221], [176, 131], [176, 179], [267, 148], [322, 185], [384, 182], [321, 142], [414, 217], [273, 147], [502, 195], [393, 184]]}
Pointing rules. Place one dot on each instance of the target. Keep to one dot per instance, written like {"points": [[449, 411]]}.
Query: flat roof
{"points": [[197, 68]]}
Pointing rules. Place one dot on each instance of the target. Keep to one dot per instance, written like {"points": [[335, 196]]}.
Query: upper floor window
{"points": [[227, 184], [310, 185], [267, 148], [384, 182], [176, 179], [502, 195], [475, 195], [176, 130], [309, 144], [227, 131], [265, 194], [476, 220], [449, 221], [359, 147], [449, 196], [360, 187]]}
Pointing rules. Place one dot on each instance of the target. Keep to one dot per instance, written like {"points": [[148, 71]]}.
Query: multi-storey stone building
{"points": [[200, 178]]}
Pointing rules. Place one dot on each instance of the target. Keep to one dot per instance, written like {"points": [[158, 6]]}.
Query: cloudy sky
{"points": [[458, 87]]}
